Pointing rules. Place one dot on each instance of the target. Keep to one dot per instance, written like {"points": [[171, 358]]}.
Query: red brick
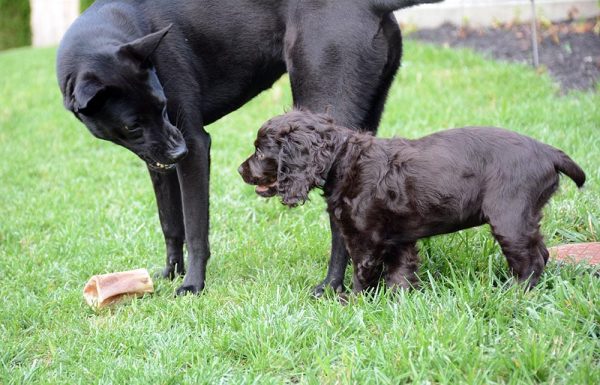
{"points": [[577, 252]]}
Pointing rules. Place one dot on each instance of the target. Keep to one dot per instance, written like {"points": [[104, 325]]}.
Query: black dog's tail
{"points": [[392, 5], [564, 164]]}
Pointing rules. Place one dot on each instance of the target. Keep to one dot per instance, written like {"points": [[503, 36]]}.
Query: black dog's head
{"points": [[116, 93], [293, 154]]}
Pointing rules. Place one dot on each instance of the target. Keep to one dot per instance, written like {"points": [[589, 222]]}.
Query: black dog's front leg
{"points": [[168, 200], [337, 263], [193, 174]]}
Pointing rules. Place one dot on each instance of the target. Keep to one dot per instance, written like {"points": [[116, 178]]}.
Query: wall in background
{"points": [[488, 12], [50, 20]]}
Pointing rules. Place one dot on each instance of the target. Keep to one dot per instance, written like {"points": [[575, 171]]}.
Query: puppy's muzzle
{"points": [[265, 190]]}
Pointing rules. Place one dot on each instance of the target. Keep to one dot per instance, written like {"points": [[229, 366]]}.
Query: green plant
{"points": [[84, 4], [15, 30]]}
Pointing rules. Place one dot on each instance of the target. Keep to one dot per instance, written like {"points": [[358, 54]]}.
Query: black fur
{"points": [[385, 194], [151, 74]]}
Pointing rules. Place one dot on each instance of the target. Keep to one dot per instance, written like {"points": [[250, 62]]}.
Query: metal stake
{"points": [[534, 42]]}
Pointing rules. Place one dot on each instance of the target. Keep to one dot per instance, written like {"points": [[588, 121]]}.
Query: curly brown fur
{"points": [[385, 194]]}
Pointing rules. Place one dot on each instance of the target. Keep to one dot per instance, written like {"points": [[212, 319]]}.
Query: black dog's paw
{"points": [[170, 272], [323, 287], [189, 289], [174, 267]]}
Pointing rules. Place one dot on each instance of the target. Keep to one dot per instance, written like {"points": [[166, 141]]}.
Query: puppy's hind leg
{"points": [[517, 230], [402, 262]]}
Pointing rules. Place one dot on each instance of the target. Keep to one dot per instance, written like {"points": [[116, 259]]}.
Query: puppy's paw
{"points": [[189, 289]]}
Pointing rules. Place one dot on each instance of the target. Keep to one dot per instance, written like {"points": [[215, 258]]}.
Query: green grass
{"points": [[72, 206]]}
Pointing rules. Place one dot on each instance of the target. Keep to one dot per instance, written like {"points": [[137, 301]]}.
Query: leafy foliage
{"points": [[15, 30]]}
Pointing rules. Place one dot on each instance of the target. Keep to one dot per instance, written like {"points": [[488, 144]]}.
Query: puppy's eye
{"points": [[259, 154]]}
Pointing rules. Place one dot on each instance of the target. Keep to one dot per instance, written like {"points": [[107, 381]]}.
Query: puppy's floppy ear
{"points": [[141, 49], [304, 160], [82, 93]]}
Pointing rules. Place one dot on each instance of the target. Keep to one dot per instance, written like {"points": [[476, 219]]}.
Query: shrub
{"points": [[85, 4], [15, 30]]}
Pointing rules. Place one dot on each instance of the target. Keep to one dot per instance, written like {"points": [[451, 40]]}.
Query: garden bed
{"points": [[569, 51]]}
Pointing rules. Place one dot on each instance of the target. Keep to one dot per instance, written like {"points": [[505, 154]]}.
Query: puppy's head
{"points": [[293, 154], [116, 93]]}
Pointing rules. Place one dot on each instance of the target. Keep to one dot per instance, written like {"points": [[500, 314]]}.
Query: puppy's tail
{"points": [[564, 164], [392, 5]]}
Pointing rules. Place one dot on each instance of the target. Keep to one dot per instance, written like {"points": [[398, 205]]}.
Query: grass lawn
{"points": [[72, 206]]}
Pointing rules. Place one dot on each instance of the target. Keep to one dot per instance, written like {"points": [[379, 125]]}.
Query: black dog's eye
{"points": [[259, 154], [130, 129]]}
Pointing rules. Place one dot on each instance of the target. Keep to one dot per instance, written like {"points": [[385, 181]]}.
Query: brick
{"points": [[577, 252]]}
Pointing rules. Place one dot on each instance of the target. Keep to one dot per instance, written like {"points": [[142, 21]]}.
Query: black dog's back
{"points": [[200, 30]]}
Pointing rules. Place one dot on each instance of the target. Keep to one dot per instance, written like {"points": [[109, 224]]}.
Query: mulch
{"points": [[569, 51]]}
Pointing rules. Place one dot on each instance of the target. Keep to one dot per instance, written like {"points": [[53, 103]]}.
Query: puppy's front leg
{"points": [[168, 200], [402, 262], [193, 174], [368, 267]]}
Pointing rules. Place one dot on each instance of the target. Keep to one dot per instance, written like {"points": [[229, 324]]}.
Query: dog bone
{"points": [[106, 289]]}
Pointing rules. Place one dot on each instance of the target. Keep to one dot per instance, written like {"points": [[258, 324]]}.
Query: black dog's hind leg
{"points": [[337, 264], [345, 71], [193, 174], [168, 200]]}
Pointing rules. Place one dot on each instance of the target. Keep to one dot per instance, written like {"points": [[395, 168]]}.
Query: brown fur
{"points": [[385, 194]]}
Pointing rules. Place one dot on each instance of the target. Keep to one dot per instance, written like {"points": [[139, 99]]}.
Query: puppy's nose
{"points": [[241, 169], [178, 153]]}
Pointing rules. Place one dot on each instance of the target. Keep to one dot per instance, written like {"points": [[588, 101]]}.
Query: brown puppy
{"points": [[385, 194]]}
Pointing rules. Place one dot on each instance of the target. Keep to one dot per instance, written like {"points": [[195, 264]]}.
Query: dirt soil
{"points": [[569, 51]]}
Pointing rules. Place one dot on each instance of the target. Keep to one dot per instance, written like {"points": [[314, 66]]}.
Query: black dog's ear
{"points": [[303, 162], [85, 90], [141, 49]]}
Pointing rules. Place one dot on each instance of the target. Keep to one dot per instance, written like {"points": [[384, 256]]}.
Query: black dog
{"points": [[149, 75], [385, 194]]}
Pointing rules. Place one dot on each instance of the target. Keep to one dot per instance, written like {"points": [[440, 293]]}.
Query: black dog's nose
{"points": [[241, 169], [178, 153]]}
